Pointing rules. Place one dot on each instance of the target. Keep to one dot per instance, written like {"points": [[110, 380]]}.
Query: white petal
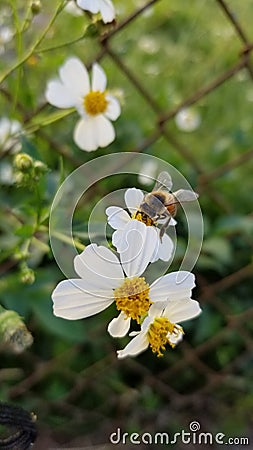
{"points": [[15, 127], [75, 77], [113, 108], [107, 11], [165, 248], [105, 131], [182, 310], [72, 301], [93, 132], [94, 6], [59, 95], [175, 339], [155, 310], [173, 222], [119, 327], [119, 241], [117, 217], [100, 268], [172, 286], [99, 81], [5, 129], [85, 134], [147, 172], [141, 242], [133, 199], [137, 345], [89, 5]]}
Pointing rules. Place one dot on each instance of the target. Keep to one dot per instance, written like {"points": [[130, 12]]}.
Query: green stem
{"points": [[36, 44], [64, 44], [62, 237]]}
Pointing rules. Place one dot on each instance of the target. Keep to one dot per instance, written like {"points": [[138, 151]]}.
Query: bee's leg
{"points": [[164, 227]]}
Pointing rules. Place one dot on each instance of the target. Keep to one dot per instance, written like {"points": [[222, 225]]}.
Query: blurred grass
{"points": [[173, 49]]}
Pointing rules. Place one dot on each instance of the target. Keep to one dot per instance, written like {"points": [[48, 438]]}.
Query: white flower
{"points": [[94, 104], [6, 34], [6, 173], [147, 172], [119, 220], [73, 9], [105, 7], [105, 279], [160, 327], [9, 131], [103, 282], [187, 119]]}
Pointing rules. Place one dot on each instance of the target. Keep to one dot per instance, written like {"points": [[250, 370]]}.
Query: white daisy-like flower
{"points": [[105, 279], [9, 131], [92, 101], [160, 327], [147, 172], [188, 119], [119, 220], [104, 7]]}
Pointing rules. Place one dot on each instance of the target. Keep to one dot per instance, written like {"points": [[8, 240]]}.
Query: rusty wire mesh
{"points": [[190, 385]]}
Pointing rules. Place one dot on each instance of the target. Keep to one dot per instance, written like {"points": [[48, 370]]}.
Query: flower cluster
{"points": [[158, 308]]}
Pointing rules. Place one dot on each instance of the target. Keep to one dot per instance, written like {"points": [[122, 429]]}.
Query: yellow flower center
{"points": [[95, 103], [158, 334], [142, 217], [132, 297]]}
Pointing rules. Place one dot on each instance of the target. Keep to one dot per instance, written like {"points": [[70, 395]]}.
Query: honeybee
{"points": [[162, 204]]}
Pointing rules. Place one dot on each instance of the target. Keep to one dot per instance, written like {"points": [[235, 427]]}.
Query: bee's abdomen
{"points": [[172, 209]]}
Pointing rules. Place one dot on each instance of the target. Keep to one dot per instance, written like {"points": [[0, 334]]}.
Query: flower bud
{"points": [[91, 30], [13, 331], [23, 162], [27, 275], [36, 6], [39, 168]]}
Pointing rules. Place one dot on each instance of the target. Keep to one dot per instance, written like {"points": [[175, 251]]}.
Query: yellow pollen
{"points": [[95, 103], [158, 334], [142, 217], [132, 297]]}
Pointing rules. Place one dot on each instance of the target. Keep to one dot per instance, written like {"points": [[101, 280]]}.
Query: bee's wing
{"points": [[164, 182], [183, 195]]}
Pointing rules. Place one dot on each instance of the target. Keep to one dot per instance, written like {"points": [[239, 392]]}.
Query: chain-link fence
{"points": [[208, 378]]}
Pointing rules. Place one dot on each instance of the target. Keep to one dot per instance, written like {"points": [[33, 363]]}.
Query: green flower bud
{"points": [[39, 168], [27, 275], [13, 331], [92, 30], [22, 179], [36, 6], [23, 162]]}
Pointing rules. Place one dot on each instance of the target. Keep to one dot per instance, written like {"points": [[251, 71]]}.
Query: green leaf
{"points": [[70, 330], [219, 248]]}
